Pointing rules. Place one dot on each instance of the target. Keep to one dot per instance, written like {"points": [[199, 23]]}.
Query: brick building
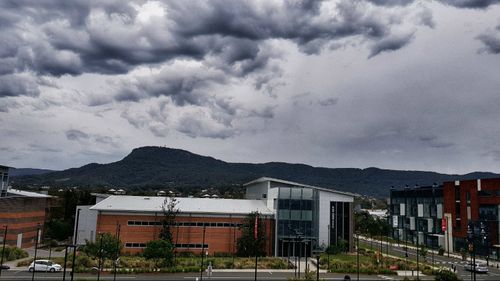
{"points": [[474, 205], [22, 212], [140, 221], [298, 218]]}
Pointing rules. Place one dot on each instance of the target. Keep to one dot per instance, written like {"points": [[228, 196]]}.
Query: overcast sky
{"points": [[396, 84]]}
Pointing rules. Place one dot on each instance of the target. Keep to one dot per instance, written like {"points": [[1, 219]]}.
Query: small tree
{"points": [[423, 252], [104, 249], [160, 251], [169, 213], [247, 245]]}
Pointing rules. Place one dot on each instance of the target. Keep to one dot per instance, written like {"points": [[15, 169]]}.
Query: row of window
{"points": [[186, 223], [179, 246]]}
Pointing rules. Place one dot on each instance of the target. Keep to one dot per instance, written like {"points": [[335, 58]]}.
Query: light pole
{"points": [[357, 254], [418, 264], [36, 246], [3, 248], [117, 256], [75, 244], [202, 250]]}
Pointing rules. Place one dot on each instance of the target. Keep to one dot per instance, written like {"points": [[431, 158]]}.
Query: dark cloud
{"points": [[391, 2], [194, 127], [328, 102], [391, 43], [76, 135], [471, 3], [491, 41], [12, 85], [109, 37]]}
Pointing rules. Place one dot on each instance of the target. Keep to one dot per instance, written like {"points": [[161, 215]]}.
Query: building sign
{"points": [[332, 234], [443, 224]]}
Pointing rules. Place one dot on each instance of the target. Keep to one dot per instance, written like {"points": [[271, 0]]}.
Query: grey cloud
{"points": [[391, 2], [41, 148], [471, 3], [491, 41], [391, 43], [12, 85], [328, 102], [76, 135], [105, 37], [194, 127]]}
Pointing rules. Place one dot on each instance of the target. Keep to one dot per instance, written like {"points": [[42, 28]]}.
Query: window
{"points": [[135, 245], [457, 193], [485, 193]]}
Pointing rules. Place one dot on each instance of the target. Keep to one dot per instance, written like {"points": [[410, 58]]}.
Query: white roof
{"points": [[185, 205], [264, 179], [17, 192]]}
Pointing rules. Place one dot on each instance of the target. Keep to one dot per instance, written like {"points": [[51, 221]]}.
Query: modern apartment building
{"points": [[473, 205], [416, 214]]}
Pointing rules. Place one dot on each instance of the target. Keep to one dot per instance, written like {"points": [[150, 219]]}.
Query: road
{"points": [[220, 276], [399, 251]]}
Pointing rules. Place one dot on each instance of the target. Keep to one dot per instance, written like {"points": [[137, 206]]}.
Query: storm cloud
{"points": [[389, 83]]}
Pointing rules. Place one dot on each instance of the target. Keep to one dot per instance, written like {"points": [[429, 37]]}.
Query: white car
{"points": [[479, 268], [44, 265]]}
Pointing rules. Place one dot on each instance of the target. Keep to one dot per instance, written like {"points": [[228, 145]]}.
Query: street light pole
{"points": [[418, 264], [75, 244], [3, 248], [357, 254], [202, 250], [36, 246]]}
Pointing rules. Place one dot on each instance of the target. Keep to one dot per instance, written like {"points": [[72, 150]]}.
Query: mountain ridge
{"points": [[158, 167]]}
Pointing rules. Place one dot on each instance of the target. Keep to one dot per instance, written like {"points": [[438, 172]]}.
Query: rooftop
{"points": [[264, 179], [185, 205], [16, 192]]}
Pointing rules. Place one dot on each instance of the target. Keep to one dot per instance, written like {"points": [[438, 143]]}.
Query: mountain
{"points": [[158, 167], [16, 172]]}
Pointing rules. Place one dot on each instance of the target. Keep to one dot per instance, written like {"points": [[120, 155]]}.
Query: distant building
{"points": [[22, 212], [289, 211], [416, 214]]}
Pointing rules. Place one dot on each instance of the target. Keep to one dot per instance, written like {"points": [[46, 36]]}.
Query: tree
{"points": [[104, 247], [160, 251], [247, 245], [58, 229], [169, 212]]}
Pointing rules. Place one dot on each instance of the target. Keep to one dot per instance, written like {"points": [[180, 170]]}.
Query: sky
{"points": [[396, 84]]}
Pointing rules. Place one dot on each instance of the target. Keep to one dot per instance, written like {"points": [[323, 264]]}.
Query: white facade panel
{"points": [[87, 224], [324, 212], [439, 211], [412, 223], [402, 209], [420, 210]]}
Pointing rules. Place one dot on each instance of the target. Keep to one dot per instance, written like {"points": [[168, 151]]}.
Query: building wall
{"points": [[463, 200], [86, 224], [22, 215], [324, 214], [219, 239]]}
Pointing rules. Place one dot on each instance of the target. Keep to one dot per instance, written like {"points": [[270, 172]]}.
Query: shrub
{"points": [[446, 275], [13, 253], [441, 251]]}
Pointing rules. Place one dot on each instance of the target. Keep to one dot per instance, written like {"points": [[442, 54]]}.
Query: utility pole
{"points": [[65, 262], [100, 258], [3, 248], [418, 264], [357, 254]]}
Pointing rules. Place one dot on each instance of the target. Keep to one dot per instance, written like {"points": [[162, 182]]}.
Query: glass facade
{"points": [[297, 220]]}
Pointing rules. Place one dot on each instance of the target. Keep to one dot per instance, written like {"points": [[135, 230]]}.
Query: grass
{"points": [[182, 264]]}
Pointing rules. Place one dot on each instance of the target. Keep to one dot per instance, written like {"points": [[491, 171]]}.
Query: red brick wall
{"points": [[475, 200], [219, 239]]}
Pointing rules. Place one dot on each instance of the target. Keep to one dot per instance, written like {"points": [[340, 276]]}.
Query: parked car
{"points": [[479, 267], [4, 266], [44, 265]]}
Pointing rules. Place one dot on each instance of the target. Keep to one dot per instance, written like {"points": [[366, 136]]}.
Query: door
{"points": [[19, 243]]}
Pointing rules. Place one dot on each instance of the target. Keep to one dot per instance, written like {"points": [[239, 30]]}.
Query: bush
{"points": [[441, 251], [446, 275], [13, 253]]}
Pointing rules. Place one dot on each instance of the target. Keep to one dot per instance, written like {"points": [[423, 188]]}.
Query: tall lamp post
{"points": [[357, 254], [36, 246]]}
